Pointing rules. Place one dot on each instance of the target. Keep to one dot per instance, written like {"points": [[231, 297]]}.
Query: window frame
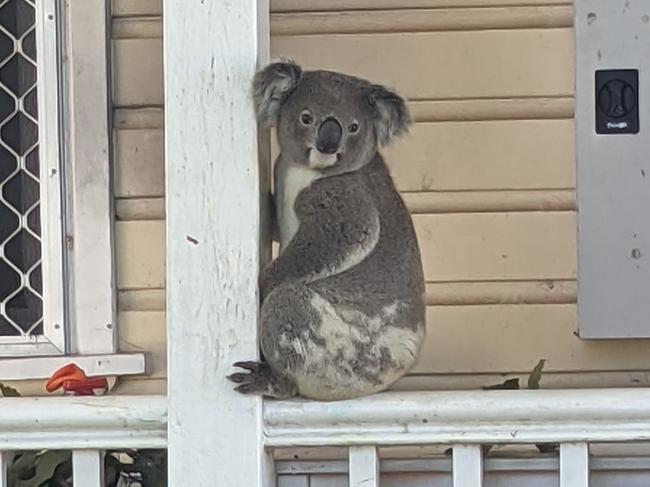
{"points": [[87, 253], [53, 339]]}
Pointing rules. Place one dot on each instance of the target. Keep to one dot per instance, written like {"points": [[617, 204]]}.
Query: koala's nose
{"points": [[329, 136]]}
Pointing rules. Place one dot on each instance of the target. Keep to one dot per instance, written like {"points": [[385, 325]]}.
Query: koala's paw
{"points": [[256, 380], [260, 380]]}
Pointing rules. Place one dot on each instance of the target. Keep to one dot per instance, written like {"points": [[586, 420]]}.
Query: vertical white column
{"points": [[88, 165], [212, 49], [364, 466], [5, 459], [467, 468], [88, 468], [574, 465]]}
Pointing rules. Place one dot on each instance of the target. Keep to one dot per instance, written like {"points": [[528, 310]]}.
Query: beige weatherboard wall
{"points": [[488, 172]]}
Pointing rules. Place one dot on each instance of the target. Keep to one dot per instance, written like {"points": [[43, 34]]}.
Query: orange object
{"points": [[74, 381], [68, 372]]}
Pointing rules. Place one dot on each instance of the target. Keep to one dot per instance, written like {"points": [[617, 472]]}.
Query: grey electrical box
{"points": [[613, 167]]}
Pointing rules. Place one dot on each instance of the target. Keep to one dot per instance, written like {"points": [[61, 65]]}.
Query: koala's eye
{"points": [[353, 128], [306, 118]]}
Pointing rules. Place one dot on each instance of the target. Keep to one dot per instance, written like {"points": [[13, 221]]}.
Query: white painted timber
{"points": [[90, 240], [293, 481], [364, 466], [524, 458], [574, 465], [212, 50], [88, 468], [5, 459], [467, 466], [469, 417], [106, 422], [92, 365], [51, 182], [613, 176]]}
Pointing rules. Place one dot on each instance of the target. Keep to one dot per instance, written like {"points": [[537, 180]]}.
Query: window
{"points": [[57, 297], [31, 298]]}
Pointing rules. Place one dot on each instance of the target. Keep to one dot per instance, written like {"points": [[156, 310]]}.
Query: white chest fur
{"points": [[290, 180]]}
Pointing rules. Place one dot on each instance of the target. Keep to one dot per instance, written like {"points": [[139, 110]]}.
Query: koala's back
{"points": [[393, 269], [360, 326]]}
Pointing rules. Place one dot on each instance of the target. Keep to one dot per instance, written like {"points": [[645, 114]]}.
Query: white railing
{"points": [[468, 417], [87, 426], [464, 420]]}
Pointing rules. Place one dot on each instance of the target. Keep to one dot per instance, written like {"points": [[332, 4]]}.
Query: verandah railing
{"points": [[85, 425], [464, 420]]}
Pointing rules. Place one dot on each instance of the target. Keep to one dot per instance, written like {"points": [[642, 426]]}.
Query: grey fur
{"points": [[272, 86], [343, 303]]}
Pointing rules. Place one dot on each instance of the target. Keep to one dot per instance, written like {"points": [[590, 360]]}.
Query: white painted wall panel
{"points": [[613, 173]]}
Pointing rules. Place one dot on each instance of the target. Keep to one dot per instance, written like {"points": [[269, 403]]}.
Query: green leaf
{"points": [[536, 375], [21, 468], [6, 391], [45, 464]]}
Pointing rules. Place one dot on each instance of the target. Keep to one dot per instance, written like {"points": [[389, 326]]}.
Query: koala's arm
{"points": [[339, 228]]}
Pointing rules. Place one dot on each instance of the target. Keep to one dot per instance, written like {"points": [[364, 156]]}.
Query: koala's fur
{"points": [[343, 304]]}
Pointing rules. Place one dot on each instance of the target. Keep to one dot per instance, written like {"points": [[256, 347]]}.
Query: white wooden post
{"points": [[5, 459], [364, 466], [467, 468], [87, 63], [88, 468], [212, 50], [574, 465]]}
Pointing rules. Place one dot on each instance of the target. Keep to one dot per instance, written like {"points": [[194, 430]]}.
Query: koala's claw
{"points": [[244, 389], [249, 365], [260, 380], [238, 378]]}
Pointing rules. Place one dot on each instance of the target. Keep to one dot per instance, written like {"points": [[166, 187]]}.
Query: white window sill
{"points": [[25, 368]]}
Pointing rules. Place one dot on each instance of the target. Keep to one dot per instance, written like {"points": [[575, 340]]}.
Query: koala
{"points": [[342, 306]]}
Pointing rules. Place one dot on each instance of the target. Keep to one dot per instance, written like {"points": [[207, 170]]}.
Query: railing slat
{"points": [[5, 459], [88, 468], [574, 465], [467, 469], [364, 466], [293, 481]]}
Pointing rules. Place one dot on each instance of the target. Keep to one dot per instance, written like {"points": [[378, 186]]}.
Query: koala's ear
{"points": [[271, 88], [391, 117]]}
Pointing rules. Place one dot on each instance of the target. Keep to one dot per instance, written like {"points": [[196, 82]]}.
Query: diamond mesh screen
{"points": [[21, 283]]}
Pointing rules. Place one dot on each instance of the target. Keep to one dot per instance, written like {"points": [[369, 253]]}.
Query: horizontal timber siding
{"points": [[487, 171]]}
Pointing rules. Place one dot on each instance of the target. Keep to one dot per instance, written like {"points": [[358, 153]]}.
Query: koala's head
{"points": [[325, 120]]}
